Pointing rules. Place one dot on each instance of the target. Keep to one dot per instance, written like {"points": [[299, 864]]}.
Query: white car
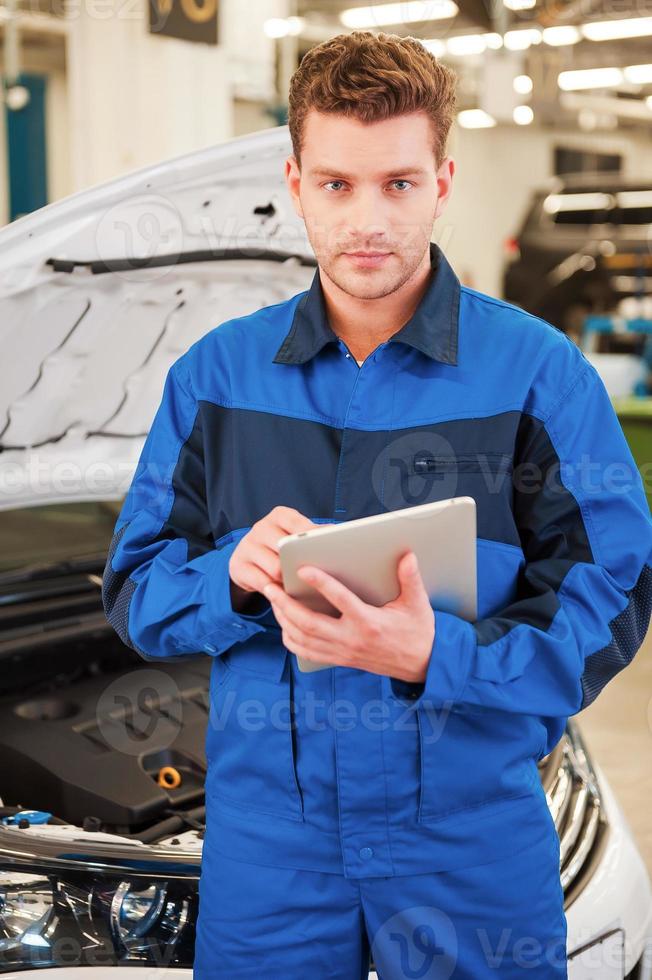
{"points": [[100, 846]]}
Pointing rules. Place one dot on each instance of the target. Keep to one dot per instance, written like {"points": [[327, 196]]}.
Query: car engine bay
{"points": [[104, 741]]}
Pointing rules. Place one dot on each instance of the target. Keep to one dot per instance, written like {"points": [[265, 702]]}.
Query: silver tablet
{"points": [[364, 554]]}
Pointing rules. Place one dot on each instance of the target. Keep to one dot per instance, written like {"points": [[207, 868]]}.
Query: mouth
{"points": [[367, 259]]}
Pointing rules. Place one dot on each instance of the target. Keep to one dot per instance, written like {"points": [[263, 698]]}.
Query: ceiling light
{"points": [[523, 84], [475, 119], [519, 4], [523, 115], [564, 34], [585, 201], [466, 44], [611, 30], [638, 74], [282, 26], [383, 14], [634, 199], [435, 46], [520, 40], [589, 78]]}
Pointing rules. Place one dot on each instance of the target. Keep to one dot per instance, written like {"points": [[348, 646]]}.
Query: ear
{"points": [[293, 181], [444, 184]]}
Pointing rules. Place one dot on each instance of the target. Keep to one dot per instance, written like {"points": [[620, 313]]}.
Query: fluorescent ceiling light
{"points": [[591, 201], [520, 40], [383, 14], [475, 119], [523, 115], [282, 26], [435, 46], [561, 35], [466, 44], [634, 199], [523, 84], [589, 78], [638, 74], [463, 44], [611, 30], [519, 4]]}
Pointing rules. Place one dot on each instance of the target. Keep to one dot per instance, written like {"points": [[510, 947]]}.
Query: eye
{"points": [[333, 182], [400, 180]]}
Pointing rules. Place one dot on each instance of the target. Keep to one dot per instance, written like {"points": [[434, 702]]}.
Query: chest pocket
{"points": [[487, 462], [250, 745], [485, 475]]}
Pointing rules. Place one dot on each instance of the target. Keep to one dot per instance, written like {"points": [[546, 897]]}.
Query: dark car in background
{"points": [[584, 245]]}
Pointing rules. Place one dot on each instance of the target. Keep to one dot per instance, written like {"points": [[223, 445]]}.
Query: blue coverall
{"points": [[346, 807]]}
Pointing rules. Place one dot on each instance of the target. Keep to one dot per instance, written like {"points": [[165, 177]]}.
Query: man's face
{"points": [[368, 187]]}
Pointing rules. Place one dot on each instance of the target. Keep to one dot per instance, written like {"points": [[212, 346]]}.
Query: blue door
{"points": [[27, 150]]}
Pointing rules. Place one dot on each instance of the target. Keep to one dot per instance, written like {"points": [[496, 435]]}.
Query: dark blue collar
{"points": [[432, 328]]}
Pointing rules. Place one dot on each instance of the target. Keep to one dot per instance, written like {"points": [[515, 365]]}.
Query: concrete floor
{"points": [[617, 729]]}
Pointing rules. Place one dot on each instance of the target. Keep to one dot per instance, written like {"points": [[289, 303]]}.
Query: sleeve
{"points": [[584, 592], [166, 586]]}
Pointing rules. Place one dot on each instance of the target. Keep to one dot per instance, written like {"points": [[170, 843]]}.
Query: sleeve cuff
{"points": [[449, 666], [230, 626]]}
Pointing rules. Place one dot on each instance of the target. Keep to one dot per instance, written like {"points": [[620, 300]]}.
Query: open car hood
{"points": [[100, 292]]}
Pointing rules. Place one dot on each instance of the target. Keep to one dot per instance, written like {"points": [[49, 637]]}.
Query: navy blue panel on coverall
{"points": [[345, 807]]}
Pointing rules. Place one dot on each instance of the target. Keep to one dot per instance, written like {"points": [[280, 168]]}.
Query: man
{"points": [[393, 799]]}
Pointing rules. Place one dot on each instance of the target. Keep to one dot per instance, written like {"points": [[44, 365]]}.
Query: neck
{"points": [[355, 320]]}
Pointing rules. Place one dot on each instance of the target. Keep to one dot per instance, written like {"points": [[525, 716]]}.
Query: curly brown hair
{"points": [[372, 76]]}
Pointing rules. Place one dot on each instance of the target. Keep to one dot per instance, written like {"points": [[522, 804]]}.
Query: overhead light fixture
{"points": [[584, 201], [634, 199], [383, 14], [283, 26], [587, 78], [603, 108], [462, 44], [519, 4], [563, 34], [475, 119], [523, 84], [638, 74], [436, 46], [523, 115], [612, 30], [523, 39]]}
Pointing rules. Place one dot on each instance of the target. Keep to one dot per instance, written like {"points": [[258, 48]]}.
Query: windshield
{"points": [[55, 532]]}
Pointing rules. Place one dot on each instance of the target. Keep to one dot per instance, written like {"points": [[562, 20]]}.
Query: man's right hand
{"points": [[255, 560]]}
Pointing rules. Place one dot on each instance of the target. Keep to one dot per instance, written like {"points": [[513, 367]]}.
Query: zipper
{"points": [[463, 462]]}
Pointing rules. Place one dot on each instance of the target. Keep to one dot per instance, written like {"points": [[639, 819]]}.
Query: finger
{"points": [[290, 521], [413, 590], [296, 636], [313, 624], [335, 591], [266, 558], [253, 579], [409, 574], [308, 652]]}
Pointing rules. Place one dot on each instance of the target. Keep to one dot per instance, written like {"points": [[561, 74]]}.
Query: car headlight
{"points": [[93, 920], [25, 913]]}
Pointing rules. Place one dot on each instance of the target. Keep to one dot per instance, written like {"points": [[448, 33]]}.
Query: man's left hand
{"points": [[395, 639]]}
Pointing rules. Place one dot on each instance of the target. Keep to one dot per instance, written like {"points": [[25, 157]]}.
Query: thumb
{"points": [[410, 576]]}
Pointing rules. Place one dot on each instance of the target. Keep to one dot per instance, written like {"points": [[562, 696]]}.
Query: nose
{"points": [[365, 220]]}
